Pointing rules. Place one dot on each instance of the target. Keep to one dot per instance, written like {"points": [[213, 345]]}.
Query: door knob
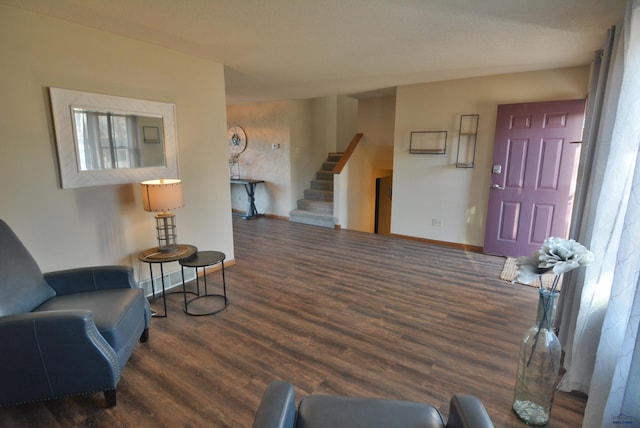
{"points": [[497, 187]]}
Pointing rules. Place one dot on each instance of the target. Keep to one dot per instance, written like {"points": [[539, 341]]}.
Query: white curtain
{"points": [[88, 137], [599, 314]]}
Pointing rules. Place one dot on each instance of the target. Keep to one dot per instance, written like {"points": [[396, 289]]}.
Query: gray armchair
{"points": [[64, 333], [278, 410]]}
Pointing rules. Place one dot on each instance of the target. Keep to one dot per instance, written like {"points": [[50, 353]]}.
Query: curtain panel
{"points": [[599, 314]]}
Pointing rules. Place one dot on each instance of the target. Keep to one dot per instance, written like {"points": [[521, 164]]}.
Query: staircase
{"points": [[317, 206]]}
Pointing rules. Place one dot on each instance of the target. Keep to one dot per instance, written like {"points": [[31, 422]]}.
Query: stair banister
{"points": [[340, 184], [347, 153]]}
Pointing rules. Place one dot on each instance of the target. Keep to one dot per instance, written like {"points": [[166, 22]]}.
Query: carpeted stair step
{"points": [[320, 207], [334, 157], [324, 175], [322, 185], [314, 219], [328, 166], [318, 195], [317, 206]]}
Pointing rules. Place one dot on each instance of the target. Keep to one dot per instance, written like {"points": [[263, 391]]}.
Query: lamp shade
{"points": [[162, 195]]}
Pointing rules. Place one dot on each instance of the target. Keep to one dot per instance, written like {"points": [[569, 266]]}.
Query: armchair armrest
{"points": [[277, 408], [52, 354], [80, 280], [467, 411]]}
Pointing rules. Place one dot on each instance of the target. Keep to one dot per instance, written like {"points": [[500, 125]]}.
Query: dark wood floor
{"points": [[335, 312]]}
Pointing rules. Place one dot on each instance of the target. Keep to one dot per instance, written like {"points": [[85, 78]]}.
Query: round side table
{"points": [[202, 304], [154, 256]]}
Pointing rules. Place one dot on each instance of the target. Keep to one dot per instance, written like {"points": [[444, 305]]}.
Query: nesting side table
{"points": [[207, 303], [153, 256]]}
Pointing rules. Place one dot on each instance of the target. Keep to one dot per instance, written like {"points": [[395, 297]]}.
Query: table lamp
{"points": [[163, 196]]}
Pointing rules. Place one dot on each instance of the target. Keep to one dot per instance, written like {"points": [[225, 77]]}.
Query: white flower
{"points": [[557, 255], [563, 255], [528, 270]]}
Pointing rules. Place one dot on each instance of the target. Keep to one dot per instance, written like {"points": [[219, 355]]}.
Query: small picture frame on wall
{"points": [[428, 142], [151, 134]]}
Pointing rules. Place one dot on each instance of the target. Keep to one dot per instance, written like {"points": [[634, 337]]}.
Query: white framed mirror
{"points": [[105, 139]]}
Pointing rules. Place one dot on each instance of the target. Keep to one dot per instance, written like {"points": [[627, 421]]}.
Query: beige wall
{"points": [[376, 121], [303, 156], [103, 225], [265, 124], [347, 120], [312, 147], [427, 187], [323, 123]]}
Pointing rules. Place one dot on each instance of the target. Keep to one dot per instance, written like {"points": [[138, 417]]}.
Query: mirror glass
{"points": [[104, 139], [108, 140]]}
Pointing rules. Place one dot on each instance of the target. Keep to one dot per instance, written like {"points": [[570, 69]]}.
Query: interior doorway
{"points": [[384, 186]]}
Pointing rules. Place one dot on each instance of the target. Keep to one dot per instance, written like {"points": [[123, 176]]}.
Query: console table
{"points": [[250, 188]]}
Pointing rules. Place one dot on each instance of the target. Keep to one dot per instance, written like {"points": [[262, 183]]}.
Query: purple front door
{"points": [[535, 162]]}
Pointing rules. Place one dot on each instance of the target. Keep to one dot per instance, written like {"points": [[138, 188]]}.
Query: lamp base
{"points": [[166, 232]]}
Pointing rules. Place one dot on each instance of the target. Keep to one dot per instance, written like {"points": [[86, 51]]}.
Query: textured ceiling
{"points": [[281, 49]]}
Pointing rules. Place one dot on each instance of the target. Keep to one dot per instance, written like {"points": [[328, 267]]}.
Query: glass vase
{"points": [[234, 169], [538, 365]]}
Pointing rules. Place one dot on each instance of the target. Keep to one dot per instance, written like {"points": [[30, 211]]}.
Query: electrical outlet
{"points": [[436, 222], [275, 146]]}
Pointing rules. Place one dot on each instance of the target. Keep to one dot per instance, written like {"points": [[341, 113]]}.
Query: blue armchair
{"points": [[278, 410], [64, 333]]}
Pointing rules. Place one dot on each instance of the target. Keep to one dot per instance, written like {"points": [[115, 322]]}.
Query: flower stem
{"points": [[544, 320]]}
